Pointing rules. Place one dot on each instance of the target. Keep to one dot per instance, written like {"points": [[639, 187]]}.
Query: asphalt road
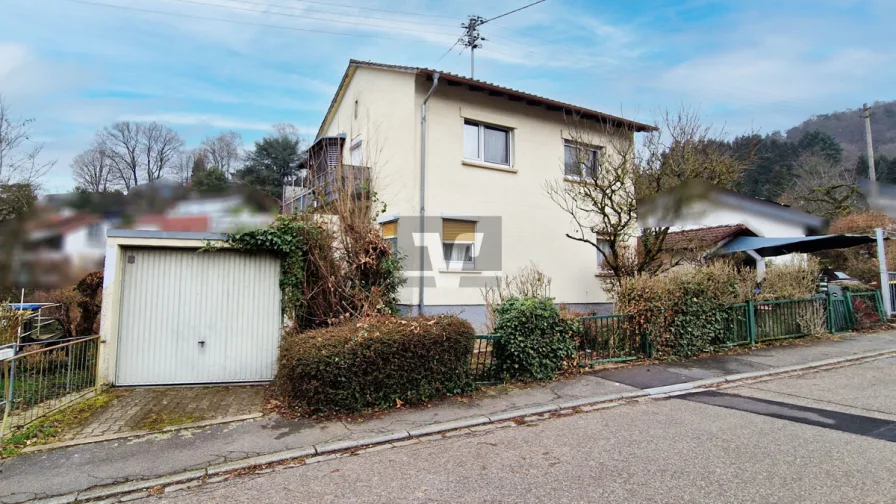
{"points": [[821, 437]]}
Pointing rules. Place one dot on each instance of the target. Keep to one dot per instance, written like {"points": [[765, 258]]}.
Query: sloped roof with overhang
{"points": [[480, 85]]}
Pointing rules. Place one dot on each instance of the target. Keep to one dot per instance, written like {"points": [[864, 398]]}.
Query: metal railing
{"points": [[616, 338], [737, 323], [609, 338], [482, 362], [787, 318], [867, 308], [36, 382], [839, 315]]}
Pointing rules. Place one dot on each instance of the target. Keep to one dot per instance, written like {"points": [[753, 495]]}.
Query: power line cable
{"points": [[304, 9], [354, 23], [262, 25], [449, 50], [377, 10], [511, 12]]}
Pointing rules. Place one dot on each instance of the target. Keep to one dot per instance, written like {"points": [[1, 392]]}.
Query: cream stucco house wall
{"points": [[488, 153]]}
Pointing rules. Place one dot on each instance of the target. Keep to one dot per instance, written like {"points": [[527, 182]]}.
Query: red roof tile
{"points": [[184, 223], [705, 237]]}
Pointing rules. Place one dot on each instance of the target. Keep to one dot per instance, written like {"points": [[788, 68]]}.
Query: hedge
{"points": [[374, 363], [535, 340]]}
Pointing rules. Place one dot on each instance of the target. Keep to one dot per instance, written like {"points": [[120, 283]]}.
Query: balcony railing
{"points": [[325, 188]]}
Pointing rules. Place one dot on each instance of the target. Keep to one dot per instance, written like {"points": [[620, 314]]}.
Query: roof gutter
{"points": [[435, 84]]}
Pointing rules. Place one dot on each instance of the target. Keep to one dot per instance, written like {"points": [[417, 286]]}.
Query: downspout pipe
{"points": [[435, 84]]}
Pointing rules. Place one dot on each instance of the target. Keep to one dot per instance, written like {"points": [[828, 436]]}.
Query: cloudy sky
{"points": [[202, 66]]}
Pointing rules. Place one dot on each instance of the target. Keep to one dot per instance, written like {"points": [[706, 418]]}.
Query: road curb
{"points": [[130, 487]]}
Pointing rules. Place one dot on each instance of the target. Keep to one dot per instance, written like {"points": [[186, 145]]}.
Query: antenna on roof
{"points": [[473, 40]]}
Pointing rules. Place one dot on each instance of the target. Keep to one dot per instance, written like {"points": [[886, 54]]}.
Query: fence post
{"points": [[850, 313], [829, 306], [878, 300], [751, 322], [7, 394]]}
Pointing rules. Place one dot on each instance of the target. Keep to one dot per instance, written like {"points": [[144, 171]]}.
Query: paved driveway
{"points": [[150, 408]]}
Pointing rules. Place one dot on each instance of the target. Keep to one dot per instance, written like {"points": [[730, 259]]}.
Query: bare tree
{"points": [[19, 154], [160, 146], [224, 151], [182, 168], [121, 142], [140, 152], [93, 169], [823, 187], [288, 130], [606, 175]]}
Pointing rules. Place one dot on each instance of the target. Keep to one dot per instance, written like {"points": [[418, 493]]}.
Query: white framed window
{"points": [[603, 245], [458, 247], [357, 152], [486, 143], [579, 160]]}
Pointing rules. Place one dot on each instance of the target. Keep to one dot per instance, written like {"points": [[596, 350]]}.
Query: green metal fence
{"points": [[788, 318], [738, 326], [482, 362], [615, 338], [839, 315], [609, 338]]}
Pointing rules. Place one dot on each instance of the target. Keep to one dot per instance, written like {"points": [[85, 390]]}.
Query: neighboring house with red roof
{"points": [[182, 223], [62, 248]]}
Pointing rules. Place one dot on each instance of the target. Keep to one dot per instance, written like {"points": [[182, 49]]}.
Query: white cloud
{"points": [[192, 119]]}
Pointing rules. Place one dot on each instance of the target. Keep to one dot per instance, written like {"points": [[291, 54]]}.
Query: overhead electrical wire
{"points": [[312, 18], [262, 25], [449, 50], [304, 9], [377, 10]]}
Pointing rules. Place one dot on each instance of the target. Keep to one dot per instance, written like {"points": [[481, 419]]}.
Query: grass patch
{"points": [[158, 421], [51, 428]]}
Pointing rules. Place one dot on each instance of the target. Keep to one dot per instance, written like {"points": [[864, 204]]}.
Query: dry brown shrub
{"points": [[861, 223], [794, 279], [10, 321], [812, 319]]}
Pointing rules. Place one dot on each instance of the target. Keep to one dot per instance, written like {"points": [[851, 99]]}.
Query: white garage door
{"points": [[197, 317]]}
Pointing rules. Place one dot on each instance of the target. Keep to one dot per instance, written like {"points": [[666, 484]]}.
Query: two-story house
{"points": [[461, 165]]}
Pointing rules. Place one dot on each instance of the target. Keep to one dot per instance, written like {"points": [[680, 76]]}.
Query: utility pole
{"points": [[872, 175], [866, 113], [473, 40]]}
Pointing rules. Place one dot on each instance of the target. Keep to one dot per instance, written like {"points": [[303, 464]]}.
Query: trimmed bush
{"points": [[683, 311], [535, 340], [374, 363]]}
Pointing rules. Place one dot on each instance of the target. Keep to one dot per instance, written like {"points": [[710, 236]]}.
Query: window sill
{"points": [[604, 274], [576, 179], [474, 272], [490, 166]]}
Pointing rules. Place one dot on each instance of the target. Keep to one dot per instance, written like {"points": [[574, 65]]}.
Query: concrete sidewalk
{"points": [[78, 468]]}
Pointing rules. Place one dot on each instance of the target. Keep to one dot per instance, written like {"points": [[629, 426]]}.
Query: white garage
{"points": [[175, 315]]}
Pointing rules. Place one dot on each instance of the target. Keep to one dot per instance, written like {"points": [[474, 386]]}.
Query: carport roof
{"points": [[769, 247]]}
